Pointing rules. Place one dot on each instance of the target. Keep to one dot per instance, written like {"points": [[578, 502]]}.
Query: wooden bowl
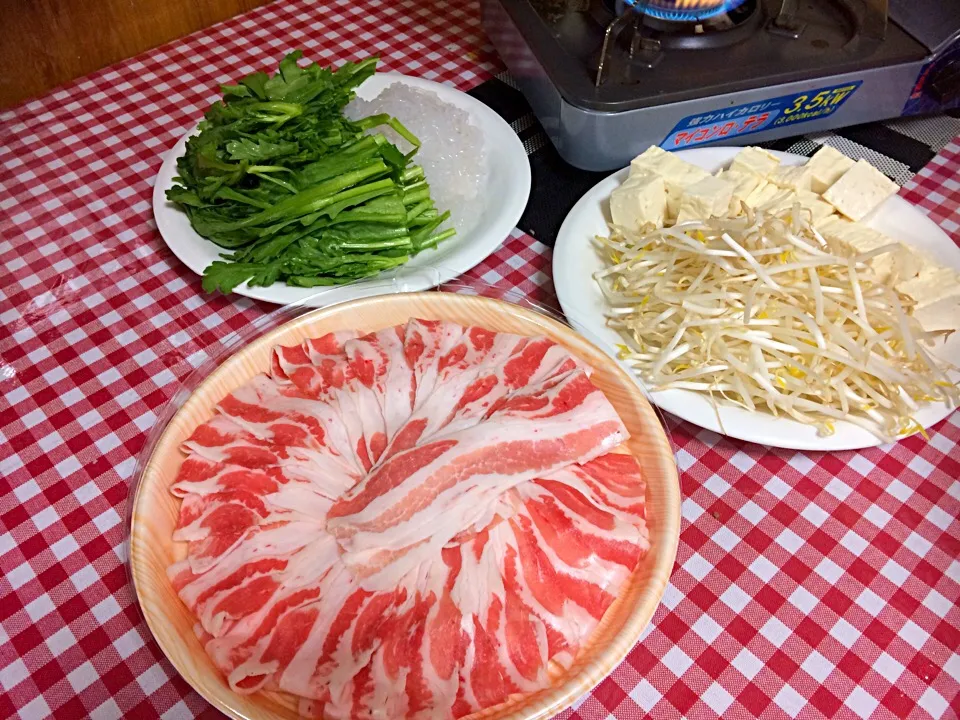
{"points": [[155, 510]]}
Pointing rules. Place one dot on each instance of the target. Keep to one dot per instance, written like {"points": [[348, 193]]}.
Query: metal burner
{"points": [[735, 24], [683, 11], [644, 32]]}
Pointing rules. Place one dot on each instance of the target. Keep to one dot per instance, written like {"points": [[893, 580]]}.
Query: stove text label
{"points": [[754, 117]]}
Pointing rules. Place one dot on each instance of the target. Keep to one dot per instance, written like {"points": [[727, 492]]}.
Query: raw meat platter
{"points": [[419, 505]]}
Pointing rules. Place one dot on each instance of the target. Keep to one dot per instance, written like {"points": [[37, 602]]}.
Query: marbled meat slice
{"points": [[417, 500]]}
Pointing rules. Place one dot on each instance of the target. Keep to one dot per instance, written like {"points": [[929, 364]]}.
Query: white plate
{"points": [[575, 261], [505, 197]]}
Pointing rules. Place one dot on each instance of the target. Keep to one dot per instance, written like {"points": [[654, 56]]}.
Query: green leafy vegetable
{"points": [[296, 192]]}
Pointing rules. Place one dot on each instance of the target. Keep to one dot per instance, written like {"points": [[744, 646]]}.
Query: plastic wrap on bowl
{"points": [[349, 541]]}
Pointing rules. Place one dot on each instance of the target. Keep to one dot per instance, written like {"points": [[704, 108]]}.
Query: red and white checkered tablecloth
{"points": [[806, 585]]}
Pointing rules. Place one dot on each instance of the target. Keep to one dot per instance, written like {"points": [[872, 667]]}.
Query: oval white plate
{"points": [[505, 197], [575, 261]]}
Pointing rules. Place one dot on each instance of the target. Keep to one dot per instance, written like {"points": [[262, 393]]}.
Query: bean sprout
{"points": [[699, 309]]}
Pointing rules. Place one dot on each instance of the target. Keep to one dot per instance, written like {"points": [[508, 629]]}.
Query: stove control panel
{"points": [[945, 83], [938, 84]]}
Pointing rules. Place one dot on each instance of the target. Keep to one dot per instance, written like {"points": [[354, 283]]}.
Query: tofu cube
{"points": [[939, 316], [677, 174], [860, 190], [811, 201], [678, 181], [901, 265], [756, 160], [649, 159], [794, 177], [782, 199], [931, 285], [776, 200], [857, 238], [707, 198], [744, 183], [640, 200], [864, 239], [825, 168], [832, 225], [762, 194], [851, 235]]}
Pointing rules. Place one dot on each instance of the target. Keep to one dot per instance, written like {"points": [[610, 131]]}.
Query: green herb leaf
{"points": [[296, 191]]}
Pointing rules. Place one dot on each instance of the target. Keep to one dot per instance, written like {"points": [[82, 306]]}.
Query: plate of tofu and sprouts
{"points": [[792, 302]]}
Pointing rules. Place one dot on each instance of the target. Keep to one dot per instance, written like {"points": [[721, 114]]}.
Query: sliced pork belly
{"points": [[420, 522], [414, 503]]}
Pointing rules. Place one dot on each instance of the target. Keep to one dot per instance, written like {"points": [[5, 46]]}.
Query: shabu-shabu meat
{"points": [[419, 522]]}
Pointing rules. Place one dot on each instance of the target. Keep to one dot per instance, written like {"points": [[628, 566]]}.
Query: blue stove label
{"points": [[725, 123]]}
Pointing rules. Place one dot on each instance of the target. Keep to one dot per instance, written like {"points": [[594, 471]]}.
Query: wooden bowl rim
{"points": [[544, 703]]}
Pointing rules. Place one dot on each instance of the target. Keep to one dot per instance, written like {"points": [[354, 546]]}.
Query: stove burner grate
{"points": [[645, 35], [683, 10]]}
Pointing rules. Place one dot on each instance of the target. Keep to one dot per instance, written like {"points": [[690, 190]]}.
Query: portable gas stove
{"points": [[608, 78]]}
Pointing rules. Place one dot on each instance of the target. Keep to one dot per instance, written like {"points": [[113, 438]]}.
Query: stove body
{"points": [[609, 78]]}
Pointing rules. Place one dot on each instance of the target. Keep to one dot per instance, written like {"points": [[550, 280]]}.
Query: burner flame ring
{"points": [[683, 11]]}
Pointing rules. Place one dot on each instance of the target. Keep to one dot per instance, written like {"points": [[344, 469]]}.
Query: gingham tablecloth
{"points": [[806, 585]]}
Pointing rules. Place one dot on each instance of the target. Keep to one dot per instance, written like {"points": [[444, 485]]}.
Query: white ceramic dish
{"points": [[575, 261], [505, 197]]}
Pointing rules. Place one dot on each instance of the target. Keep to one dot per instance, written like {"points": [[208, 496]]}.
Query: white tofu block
{"points": [[776, 200], [795, 177], [744, 183], [756, 160], [856, 238], [678, 180], [641, 177], [831, 225], [707, 198], [825, 168], [640, 200], [859, 190], [762, 194], [649, 159], [864, 239], [882, 265], [939, 316], [932, 284], [677, 174], [903, 264], [808, 201], [815, 204]]}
